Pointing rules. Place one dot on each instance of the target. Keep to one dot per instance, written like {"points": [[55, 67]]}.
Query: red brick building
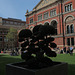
{"points": [[60, 14]]}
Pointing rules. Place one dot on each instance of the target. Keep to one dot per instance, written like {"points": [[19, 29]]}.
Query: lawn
{"points": [[6, 59]]}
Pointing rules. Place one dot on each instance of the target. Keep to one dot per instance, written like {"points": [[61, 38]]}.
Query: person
{"points": [[61, 52], [64, 49], [12, 53], [71, 50], [17, 53], [68, 50]]}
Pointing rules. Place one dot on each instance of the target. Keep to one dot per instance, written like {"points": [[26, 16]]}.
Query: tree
{"points": [[12, 38]]}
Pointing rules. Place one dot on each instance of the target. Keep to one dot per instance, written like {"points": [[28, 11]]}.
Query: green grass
{"points": [[68, 59], [6, 59]]}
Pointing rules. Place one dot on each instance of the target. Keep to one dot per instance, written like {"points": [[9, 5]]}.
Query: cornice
{"points": [[35, 11]]}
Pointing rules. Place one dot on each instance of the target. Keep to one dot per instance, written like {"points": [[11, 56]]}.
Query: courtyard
{"points": [[6, 59]]}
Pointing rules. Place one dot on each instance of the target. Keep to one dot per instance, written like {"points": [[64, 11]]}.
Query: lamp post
{"points": [[62, 24]]}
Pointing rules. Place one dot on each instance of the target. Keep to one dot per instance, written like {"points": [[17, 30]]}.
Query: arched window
{"points": [[72, 28], [54, 23], [46, 23], [68, 29]]}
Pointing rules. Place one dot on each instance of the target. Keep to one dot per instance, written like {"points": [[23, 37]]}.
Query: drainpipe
{"points": [[62, 23]]}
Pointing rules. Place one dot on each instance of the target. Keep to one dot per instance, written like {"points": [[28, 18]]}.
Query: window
{"points": [[53, 12], [72, 41], [0, 45], [7, 22], [19, 23], [68, 7], [55, 31], [68, 41], [4, 39], [72, 28], [0, 32], [11, 22], [0, 38], [68, 29], [39, 17], [65, 8], [22, 23], [45, 15], [3, 21], [31, 20], [5, 32], [15, 22], [54, 24]]}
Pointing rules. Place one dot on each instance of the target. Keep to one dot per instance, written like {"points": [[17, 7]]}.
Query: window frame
{"points": [[40, 16], [68, 41], [46, 15], [53, 12], [71, 30], [1, 38], [68, 7], [72, 41], [31, 20]]}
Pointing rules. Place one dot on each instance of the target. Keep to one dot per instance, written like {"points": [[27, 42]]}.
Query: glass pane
{"points": [[65, 8], [72, 29], [68, 41], [72, 41], [68, 29], [70, 6], [0, 38], [31, 20], [45, 15]]}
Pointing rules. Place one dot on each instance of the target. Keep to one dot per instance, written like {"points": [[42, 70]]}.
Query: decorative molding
{"points": [[40, 23], [43, 8], [46, 22], [68, 16], [44, 3]]}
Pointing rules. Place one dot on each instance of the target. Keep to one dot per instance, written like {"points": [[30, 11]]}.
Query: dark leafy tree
{"points": [[37, 45]]}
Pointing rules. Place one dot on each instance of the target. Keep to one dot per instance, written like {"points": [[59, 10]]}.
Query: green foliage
{"points": [[11, 34], [12, 37]]}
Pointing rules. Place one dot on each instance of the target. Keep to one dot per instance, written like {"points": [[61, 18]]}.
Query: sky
{"points": [[16, 8]]}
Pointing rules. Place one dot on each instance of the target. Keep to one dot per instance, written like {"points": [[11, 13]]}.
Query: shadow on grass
{"points": [[71, 69]]}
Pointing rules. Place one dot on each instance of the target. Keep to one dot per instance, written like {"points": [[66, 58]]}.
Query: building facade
{"points": [[5, 25], [60, 14]]}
